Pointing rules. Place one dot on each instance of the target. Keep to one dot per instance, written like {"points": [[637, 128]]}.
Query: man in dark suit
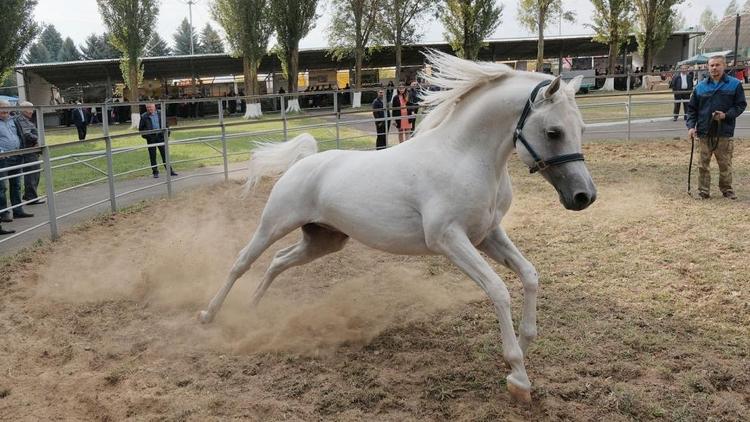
{"points": [[682, 85], [378, 112], [80, 119], [151, 120]]}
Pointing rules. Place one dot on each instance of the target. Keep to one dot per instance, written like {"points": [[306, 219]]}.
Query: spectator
{"points": [[413, 105], [681, 84], [712, 112], [81, 121], [151, 120], [378, 112], [400, 108], [10, 140], [26, 122]]}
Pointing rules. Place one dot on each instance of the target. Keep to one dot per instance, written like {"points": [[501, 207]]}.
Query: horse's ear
{"points": [[575, 84], [552, 88]]}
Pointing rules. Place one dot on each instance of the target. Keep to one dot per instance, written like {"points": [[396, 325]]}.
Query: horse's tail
{"points": [[274, 158]]}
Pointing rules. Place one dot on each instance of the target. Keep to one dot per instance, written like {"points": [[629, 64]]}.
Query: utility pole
{"points": [[190, 8]]}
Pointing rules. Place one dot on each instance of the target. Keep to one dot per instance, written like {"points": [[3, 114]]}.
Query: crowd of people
{"points": [[399, 106]]}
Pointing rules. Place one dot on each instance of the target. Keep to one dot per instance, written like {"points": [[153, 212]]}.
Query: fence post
{"points": [[165, 132], [283, 117], [110, 166], [46, 165], [338, 116], [630, 107], [223, 141]]}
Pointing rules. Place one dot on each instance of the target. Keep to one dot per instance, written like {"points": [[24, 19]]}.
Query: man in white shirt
{"points": [[682, 86]]}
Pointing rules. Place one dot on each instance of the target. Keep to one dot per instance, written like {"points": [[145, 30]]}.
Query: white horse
{"points": [[445, 191]]}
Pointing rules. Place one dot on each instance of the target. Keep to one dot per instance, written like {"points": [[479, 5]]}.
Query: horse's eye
{"points": [[554, 134]]}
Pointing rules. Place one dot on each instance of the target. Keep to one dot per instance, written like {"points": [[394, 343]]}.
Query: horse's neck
{"points": [[471, 129]]}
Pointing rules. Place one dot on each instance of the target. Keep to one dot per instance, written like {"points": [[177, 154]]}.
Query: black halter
{"points": [[539, 164]]}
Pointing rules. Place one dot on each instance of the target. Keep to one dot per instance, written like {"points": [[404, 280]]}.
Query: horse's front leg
{"points": [[455, 244], [498, 246]]}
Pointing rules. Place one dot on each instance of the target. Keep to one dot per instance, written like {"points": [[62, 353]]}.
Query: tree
{"points": [[708, 19], [612, 21], [746, 7], [401, 19], [351, 29], [655, 23], [38, 53], [292, 20], [182, 39], [69, 52], [157, 46], [97, 47], [211, 41], [537, 15], [131, 23], [52, 40], [248, 27], [17, 31], [467, 23], [731, 9]]}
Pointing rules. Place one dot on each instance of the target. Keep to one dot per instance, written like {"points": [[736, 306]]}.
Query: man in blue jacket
{"points": [[713, 109]]}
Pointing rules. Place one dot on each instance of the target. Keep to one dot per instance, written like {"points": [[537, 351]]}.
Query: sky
{"points": [[79, 18]]}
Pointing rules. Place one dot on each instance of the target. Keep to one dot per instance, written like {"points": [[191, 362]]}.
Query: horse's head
{"points": [[548, 140]]}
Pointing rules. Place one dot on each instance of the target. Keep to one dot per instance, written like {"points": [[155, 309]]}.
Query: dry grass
{"points": [[644, 314]]}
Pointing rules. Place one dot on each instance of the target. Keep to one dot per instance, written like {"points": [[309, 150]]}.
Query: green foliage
{"points": [[708, 19], [52, 40], [69, 52], [18, 29], [612, 21], [182, 39], [211, 41], [468, 22], [401, 21], [655, 22], [731, 9], [548, 12], [248, 27], [351, 26], [38, 53], [157, 46], [292, 20], [131, 23], [97, 47]]}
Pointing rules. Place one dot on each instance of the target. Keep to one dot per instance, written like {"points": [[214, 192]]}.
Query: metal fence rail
{"points": [[333, 115]]}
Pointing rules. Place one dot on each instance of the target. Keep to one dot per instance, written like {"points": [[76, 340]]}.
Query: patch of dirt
{"points": [[643, 313]]}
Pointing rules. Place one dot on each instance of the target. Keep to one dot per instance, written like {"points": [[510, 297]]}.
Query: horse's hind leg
{"points": [[266, 234], [498, 246], [316, 241]]}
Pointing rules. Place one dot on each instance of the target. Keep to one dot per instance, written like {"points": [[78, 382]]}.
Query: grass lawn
{"points": [[185, 156]]}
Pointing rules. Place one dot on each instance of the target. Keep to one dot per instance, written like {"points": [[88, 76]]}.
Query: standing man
{"points": [[681, 84], [151, 120], [10, 140], [81, 122], [711, 115], [25, 121], [378, 112], [413, 102]]}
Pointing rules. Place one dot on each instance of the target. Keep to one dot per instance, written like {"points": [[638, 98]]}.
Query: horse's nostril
{"points": [[581, 198]]}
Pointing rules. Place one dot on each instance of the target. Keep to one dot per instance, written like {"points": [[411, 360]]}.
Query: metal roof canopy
{"points": [[67, 74]]}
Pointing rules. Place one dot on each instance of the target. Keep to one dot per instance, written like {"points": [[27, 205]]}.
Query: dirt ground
{"points": [[644, 313]]}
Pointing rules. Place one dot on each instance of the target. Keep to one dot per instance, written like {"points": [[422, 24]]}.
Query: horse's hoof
{"points": [[204, 317], [519, 393]]}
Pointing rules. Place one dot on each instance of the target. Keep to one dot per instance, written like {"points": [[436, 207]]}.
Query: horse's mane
{"points": [[455, 77]]}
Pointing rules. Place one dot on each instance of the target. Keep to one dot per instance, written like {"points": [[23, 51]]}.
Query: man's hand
{"points": [[691, 133], [719, 115]]}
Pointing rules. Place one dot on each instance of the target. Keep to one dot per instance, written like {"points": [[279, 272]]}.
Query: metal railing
{"points": [[347, 125]]}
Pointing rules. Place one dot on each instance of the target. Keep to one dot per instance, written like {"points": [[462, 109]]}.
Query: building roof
{"points": [[205, 65]]}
